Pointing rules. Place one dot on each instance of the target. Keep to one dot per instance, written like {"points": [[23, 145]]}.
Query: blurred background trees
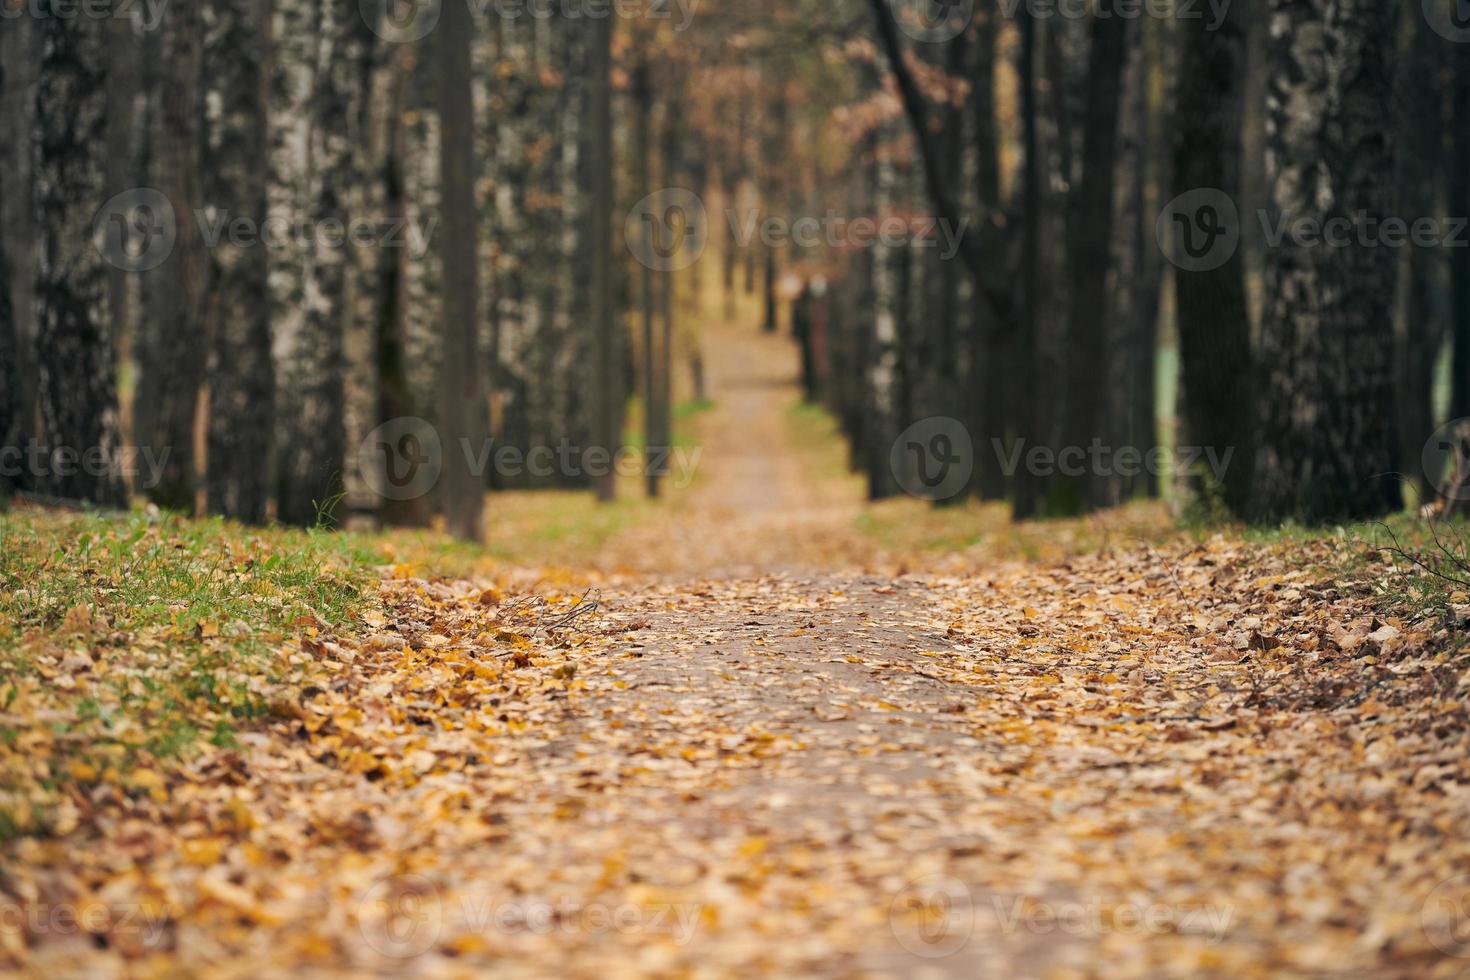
{"points": [[514, 285]]}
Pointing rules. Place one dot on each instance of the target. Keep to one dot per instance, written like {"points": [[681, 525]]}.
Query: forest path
{"points": [[755, 506]]}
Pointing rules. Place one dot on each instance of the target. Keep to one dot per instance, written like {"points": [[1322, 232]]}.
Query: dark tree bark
{"points": [[10, 421], [462, 410], [1029, 489], [991, 342], [175, 293], [642, 96], [606, 365], [1087, 401], [395, 394], [1459, 192], [663, 373], [1212, 314], [1144, 289], [1328, 444], [1422, 120], [19, 54], [989, 276], [773, 185], [242, 379], [74, 344], [732, 175], [125, 79]]}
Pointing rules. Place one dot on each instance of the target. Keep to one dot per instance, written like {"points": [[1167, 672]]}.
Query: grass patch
{"points": [[126, 641]]}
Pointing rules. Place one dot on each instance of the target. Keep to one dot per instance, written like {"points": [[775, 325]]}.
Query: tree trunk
{"points": [[19, 44], [10, 421], [1422, 122], [175, 293], [642, 95], [242, 380], [314, 451], [74, 344], [606, 365], [1459, 192], [125, 79], [1211, 311], [1328, 445], [773, 162], [991, 343], [663, 370], [395, 394], [1087, 401], [1030, 408], [1151, 182], [462, 410]]}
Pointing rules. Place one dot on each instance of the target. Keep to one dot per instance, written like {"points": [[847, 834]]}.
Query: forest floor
{"points": [[760, 727]]}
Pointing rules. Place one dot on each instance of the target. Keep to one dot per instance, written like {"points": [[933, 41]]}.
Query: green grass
{"points": [[125, 640], [1408, 565]]}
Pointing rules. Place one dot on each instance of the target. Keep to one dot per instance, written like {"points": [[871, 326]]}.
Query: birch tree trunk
{"points": [[76, 366], [313, 455], [175, 293], [1328, 449]]}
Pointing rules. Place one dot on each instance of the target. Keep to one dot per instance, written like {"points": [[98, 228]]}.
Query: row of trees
{"points": [[1059, 142], [494, 158], [474, 163]]}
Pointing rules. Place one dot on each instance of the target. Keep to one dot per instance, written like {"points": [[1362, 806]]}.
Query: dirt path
{"points": [[754, 507]]}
